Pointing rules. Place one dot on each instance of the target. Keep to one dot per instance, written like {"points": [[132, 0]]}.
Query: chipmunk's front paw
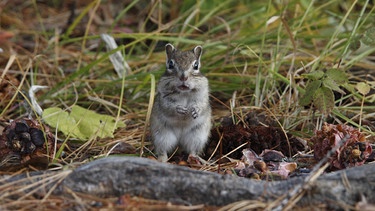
{"points": [[181, 110], [194, 112]]}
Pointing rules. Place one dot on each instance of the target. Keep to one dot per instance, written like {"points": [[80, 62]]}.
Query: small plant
{"points": [[365, 39], [320, 87], [352, 152]]}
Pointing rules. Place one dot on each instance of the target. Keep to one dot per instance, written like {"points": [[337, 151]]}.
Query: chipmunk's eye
{"points": [[196, 65], [170, 64]]}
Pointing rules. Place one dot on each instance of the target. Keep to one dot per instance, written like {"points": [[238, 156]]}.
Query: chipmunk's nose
{"points": [[183, 77]]}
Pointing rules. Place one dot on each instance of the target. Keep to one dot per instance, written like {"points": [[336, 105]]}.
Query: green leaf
{"points": [[315, 75], [363, 88], [91, 123], [331, 84], [369, 37], [309, 92], [337, 75], [324, 100], [81, 123], [57, 118]]}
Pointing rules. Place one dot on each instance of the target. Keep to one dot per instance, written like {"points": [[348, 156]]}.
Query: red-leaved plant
{"points": [[353, 152]]}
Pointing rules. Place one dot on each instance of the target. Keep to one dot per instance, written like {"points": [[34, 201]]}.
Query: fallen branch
{"points": [[116, 176]]}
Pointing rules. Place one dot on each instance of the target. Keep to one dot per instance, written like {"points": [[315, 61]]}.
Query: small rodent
{"points": [[181, 115]]}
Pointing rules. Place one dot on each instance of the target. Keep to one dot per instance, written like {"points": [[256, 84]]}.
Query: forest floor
{"points": [[289, 82]]}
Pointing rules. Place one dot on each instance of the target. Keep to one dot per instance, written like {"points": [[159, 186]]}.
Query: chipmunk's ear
{"points": [[169, 48], [198, 52]]}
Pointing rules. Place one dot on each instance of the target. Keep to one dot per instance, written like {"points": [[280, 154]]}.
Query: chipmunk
{"points": [[181, 115]]}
